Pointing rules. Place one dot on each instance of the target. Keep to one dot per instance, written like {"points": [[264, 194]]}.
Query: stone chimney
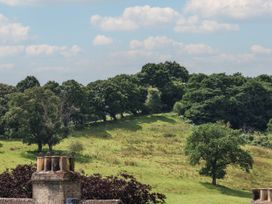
{"points": [[55, 181]]}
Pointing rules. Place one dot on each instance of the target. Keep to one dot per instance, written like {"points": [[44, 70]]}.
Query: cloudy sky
{"points": [[87, 40]]}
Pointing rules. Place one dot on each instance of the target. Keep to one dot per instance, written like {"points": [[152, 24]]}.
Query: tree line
{"points": [[42, 114]]}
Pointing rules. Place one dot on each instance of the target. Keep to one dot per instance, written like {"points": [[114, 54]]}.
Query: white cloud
{"points": [[259, 49], [194, 25], [134, 17], [164, 46], [37, 2], [10, 50], [231, 8], [198, 49], [155, 42], [39, 50], [102, 40], [43, 49], [12, 31], [6, 67]]}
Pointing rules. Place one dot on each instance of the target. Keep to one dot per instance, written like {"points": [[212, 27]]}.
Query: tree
{"points": [[133, 94], [153, 100], [54, 87], [250, 107], [168, 77], [27, 83], [73, 103], [35, 117], [106, 98], [218, 146], [5, 91]]}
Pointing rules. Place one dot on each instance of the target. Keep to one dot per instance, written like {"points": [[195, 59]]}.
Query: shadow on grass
{"points": [[227, 191], [129, 123], [32, 155]]}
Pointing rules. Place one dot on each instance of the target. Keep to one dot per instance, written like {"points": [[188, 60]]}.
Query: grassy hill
{"points": [[152, 149]]}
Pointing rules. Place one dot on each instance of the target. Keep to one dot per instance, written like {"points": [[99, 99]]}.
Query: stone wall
{"points": [[101, 202], [16, 201], [31, 201]]}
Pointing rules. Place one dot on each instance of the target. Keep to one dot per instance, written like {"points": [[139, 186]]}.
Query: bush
{"points": [[17, 184], [179, 108], [1, 145], [153, 100], [125, 188], [258, 139], [76, 147], [269, 126]]}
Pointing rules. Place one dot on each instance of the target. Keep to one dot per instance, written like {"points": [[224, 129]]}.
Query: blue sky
{"points": [[87, 40]]}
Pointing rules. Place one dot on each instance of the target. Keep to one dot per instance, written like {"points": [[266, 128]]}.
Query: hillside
{"points": [[151, 148]]}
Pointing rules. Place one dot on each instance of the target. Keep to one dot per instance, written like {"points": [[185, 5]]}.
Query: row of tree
{"points": [[42, 115], [244, 102]]}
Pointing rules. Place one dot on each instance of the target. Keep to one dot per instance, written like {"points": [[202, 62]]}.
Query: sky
{"points": [[88, 40]]}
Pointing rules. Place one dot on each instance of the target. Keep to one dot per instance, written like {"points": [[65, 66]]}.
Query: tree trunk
{"points": [[39, 147], [50, 147], [214, 180], [114, 116]]}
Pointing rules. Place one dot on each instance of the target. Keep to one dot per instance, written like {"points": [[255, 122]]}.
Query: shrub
{"points": [[269, 126], [76, 147], [153, 100], [17, 184], [125, 187], [1, 145]]}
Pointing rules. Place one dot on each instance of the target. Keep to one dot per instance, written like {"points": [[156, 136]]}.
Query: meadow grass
{"points": [[152, 149]]}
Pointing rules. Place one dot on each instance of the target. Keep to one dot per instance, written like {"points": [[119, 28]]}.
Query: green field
{"points": [[152, 149]]}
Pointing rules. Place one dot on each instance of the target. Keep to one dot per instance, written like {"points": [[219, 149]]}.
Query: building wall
{"points": [[16, 201]]}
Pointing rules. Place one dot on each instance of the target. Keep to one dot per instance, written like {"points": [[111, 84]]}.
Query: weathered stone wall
{"points": [[101, 202], [31, 201], [16, 201]]}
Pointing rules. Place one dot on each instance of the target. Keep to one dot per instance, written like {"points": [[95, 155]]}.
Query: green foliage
{"points": [[54, 87], [27, 83], [132, 93], [168, 77], [5, 91], [258, 139], [243, 102], [35, 116], [75, 147], [73, 103], [269, 126], [153, 100], [218, 146], [105, 98]]}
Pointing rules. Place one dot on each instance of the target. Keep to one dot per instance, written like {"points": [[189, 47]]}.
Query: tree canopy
{"points": [[35, 116], [218, 146]]}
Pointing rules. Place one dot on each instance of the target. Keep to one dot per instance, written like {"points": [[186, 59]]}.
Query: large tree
{"points": [[168, 77], [27, 83], [5, 91], [35, 117], [105, 98], [73, 101], [133, 94], [217, 146]]}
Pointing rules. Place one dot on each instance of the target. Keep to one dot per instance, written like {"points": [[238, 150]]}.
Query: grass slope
{"points": [[151, 148]]}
